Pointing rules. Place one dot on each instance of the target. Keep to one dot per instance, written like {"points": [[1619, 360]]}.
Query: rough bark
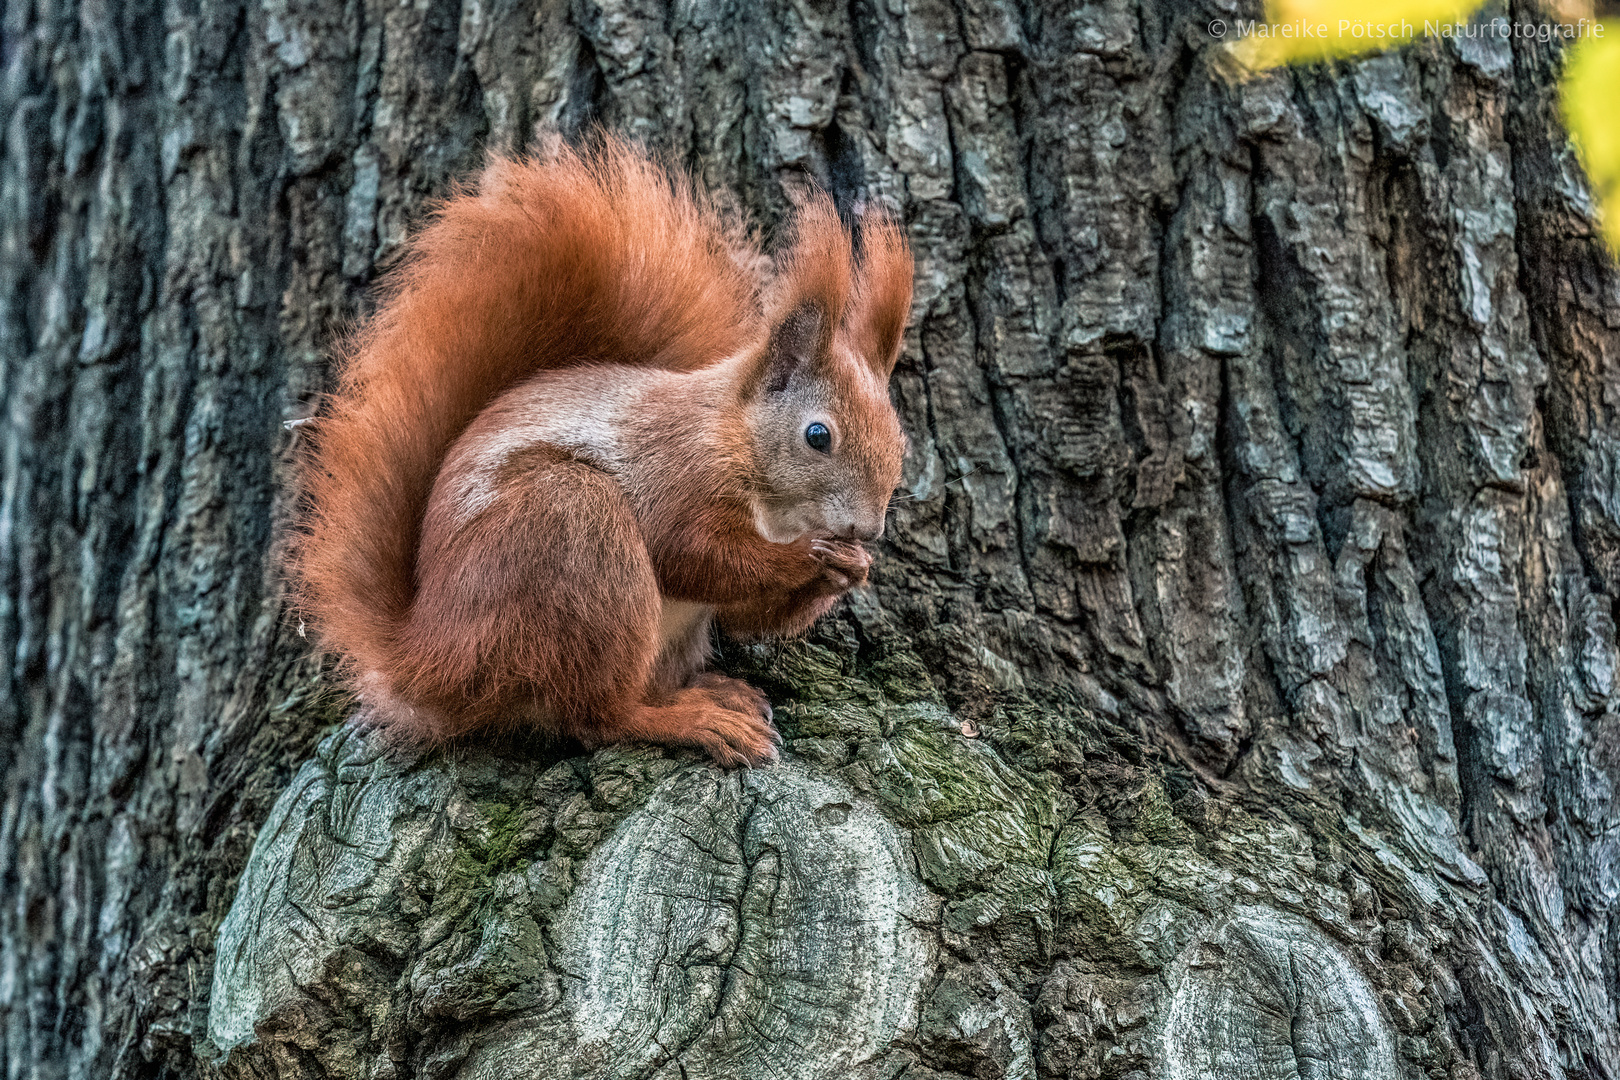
{"points": [[1233, 698]]}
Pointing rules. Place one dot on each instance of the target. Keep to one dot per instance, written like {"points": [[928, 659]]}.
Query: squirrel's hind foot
{"points": [[405, 723], [734, 694], [725, 717]]}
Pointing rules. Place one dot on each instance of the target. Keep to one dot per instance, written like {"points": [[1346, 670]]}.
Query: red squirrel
{"points": [[588, 419]]}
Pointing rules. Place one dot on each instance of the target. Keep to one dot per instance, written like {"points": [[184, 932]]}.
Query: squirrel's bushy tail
{"points": [[576, 259]]}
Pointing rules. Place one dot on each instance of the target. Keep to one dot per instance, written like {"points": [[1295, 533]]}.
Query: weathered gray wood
{"points": [[782, 908], [1234, 695]]}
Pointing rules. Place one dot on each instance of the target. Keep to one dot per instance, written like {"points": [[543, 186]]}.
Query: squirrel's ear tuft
{"points": [[813, 288], [876, 322], [818, 266]]}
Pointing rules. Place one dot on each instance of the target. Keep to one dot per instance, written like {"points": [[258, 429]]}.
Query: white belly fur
{"points": [[683, 642], [678, 621]]}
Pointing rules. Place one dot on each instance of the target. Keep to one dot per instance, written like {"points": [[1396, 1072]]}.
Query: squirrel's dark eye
{"points": [[819, 438]]}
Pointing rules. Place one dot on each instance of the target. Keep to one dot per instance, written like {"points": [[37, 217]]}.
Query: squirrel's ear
{"points": [[882, 304], [814, 290], [794, 345]]}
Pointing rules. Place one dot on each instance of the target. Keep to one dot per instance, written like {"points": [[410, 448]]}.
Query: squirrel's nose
{"points": [[863, 533]]}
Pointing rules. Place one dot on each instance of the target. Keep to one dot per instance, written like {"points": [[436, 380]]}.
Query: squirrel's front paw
{"points": [[844, 562]]}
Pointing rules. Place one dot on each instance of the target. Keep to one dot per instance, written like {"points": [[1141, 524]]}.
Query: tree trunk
{"points": [[1233, 697]]}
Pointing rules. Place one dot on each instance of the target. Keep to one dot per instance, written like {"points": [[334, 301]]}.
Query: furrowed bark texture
{"points": [[1233, 699]]}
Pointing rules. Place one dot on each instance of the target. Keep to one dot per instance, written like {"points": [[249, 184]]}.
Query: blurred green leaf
{"points": [[1591, 94]]}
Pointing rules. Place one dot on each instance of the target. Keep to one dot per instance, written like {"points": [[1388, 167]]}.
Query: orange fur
{"points": [[476, 567]]}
